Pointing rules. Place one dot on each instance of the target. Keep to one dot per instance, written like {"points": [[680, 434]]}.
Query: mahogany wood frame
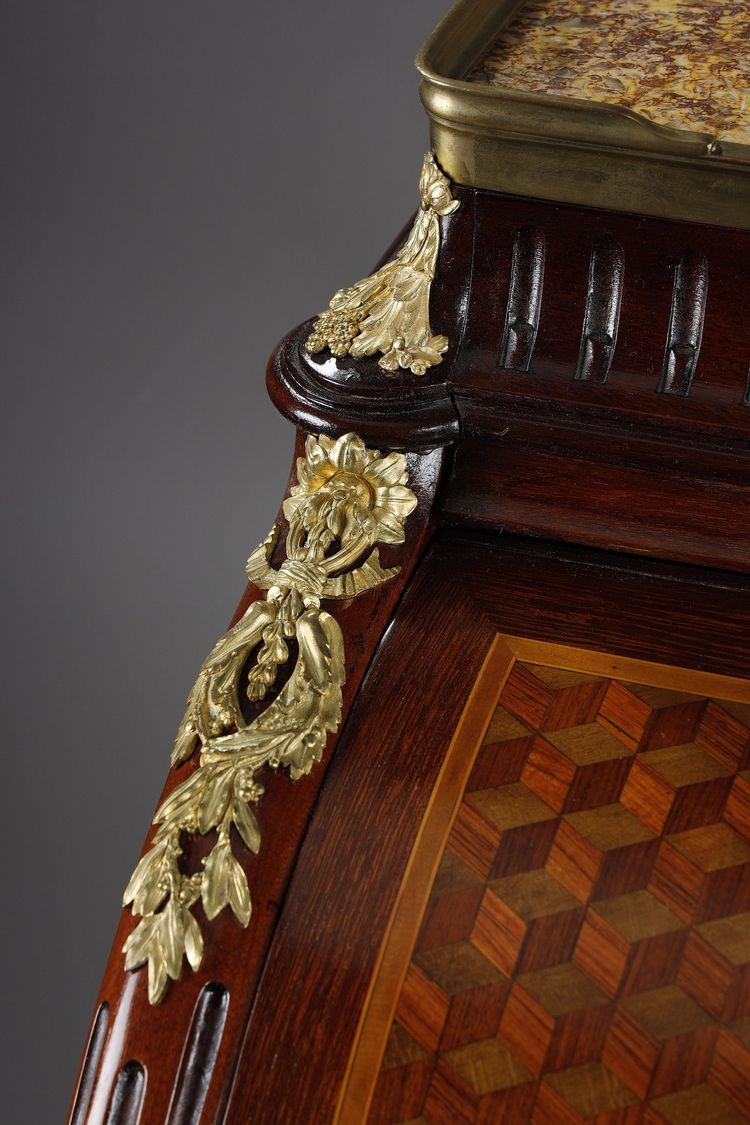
{"points": [[340, 899], [125, 1026], [646, 451]]}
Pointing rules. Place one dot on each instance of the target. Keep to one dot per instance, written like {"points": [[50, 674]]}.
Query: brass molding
{"points": [[566, 149], [348, 498], [389, 312]]}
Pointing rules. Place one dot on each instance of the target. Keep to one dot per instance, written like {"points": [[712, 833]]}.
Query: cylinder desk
{"points": [[457, 825]]}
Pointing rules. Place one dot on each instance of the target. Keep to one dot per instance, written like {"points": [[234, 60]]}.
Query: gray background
{"points": [[182, 183]]}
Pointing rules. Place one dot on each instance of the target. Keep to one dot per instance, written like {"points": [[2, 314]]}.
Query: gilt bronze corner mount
{"points": [[347, 499]]}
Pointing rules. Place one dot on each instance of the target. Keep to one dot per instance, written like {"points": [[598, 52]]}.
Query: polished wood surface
{"points": [[594, 402], [294, 987], [340, 900], [177, 1043], [570, 294], [596, 382], [566, 968]]}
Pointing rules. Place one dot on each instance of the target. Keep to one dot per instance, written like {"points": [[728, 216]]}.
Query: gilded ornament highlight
{"points": [[348, 498], [389, 312]]}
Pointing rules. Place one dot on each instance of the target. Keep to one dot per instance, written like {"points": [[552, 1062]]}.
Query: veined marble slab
{"points": [[681, 63]]}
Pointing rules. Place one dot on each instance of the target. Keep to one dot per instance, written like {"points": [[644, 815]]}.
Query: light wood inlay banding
{"points": [[585, 947]]}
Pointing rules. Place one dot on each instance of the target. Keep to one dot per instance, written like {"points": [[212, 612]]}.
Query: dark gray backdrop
{"points": [[182, 183]]}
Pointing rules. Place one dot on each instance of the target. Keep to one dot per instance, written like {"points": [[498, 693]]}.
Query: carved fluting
{"points": [[347, 499], [581, 301], [90, 1066], [127, 1097], [524, 299], [602, 316], [685, 324], [199, 1056], [389, 312]]}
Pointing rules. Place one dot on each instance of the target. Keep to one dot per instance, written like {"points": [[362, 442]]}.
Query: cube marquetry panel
{"points": [[585, 952]]}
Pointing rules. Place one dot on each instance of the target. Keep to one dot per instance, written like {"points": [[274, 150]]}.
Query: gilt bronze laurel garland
{"points": [[348, 498], [389, 312]]}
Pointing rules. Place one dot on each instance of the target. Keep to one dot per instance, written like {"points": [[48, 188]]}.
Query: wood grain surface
{"points": [[181, 1052], [566, 967], [594, 402], [341, 896]]}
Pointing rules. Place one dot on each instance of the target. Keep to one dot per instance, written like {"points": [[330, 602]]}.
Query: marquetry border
{"points": [[396, 949]]}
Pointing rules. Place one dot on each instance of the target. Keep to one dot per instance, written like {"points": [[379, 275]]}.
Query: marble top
{"points": [[681, 63]]}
